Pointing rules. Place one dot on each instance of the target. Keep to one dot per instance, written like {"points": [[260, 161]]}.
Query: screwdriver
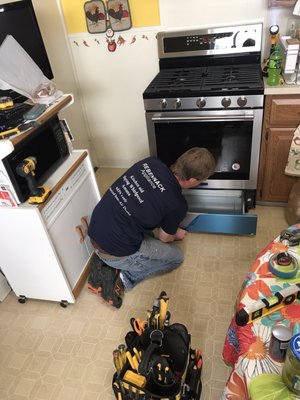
{"points": [[117, 360], [121, 347]]}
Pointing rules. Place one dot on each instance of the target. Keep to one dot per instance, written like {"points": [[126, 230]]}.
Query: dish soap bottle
{"points": [[274, 68]]}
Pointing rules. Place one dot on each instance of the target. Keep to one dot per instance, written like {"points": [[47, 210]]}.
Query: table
{"points": [[254, 373]]}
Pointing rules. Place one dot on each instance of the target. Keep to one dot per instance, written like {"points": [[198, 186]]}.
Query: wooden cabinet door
{"points": [[277, 185], [284, 111]]}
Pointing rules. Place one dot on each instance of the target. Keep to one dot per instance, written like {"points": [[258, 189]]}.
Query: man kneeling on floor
{"points": [[147, 196]]}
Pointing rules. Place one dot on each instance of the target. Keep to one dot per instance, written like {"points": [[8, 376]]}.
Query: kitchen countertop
{"points": [[281, 89]]}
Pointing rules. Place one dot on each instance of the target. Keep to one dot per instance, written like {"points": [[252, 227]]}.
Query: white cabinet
{"points": [[45, 249]]}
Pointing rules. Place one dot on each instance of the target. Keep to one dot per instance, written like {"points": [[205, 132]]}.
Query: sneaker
{"points": [[106, 282]]}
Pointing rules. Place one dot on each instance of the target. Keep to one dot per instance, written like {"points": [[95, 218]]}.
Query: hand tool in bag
{"points": [[167, 320], [268, 305], [199, 359], [122, 349], [163, 307], [155, 316], [138, 326], [194, 380], [136, 379], [156, 321], [117, 390], [137, 354], [132, 361], [117, 361]]}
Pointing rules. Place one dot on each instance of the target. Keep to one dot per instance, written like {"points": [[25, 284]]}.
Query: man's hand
{"points": [[180, 234], [165, 237]]}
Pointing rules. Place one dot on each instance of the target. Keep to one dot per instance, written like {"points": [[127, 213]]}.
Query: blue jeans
{"points": [[153, 258]]}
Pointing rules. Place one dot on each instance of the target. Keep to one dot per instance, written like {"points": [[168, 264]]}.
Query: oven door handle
{"points": [[237, 117]]}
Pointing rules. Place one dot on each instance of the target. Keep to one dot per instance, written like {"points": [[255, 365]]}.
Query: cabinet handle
{"points": [[267, 134], [79, 231], [85, 224]]}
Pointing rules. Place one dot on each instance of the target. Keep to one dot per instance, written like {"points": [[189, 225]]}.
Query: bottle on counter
{"points": [[274, 68], [291, 367]]}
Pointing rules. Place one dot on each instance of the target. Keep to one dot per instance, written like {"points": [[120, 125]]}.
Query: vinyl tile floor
{"points": [[52, 353]]}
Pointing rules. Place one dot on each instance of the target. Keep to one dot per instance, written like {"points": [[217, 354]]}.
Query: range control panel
{"points": [[197, 42]]}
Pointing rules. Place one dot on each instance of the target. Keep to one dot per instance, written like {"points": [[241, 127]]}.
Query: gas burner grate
{"points": [[206, 79], [181, 78], [240, 77]]}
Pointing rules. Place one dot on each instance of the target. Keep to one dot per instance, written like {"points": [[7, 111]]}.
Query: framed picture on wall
{"points": [[95, 16], [281, 3]]}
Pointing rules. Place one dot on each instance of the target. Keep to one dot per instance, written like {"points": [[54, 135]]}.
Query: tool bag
{"points": [[157, 361]]}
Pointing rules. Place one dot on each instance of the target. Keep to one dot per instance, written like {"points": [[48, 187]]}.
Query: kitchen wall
{"points": [[108, 115], [112, 83]]}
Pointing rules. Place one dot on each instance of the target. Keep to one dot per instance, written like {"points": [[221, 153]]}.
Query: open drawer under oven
{"points": [[218, 211]]}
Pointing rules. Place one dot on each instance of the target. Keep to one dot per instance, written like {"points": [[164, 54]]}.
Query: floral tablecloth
{"points": [[254, 373]]}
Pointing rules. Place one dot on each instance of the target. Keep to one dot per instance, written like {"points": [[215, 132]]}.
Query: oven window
{"points": [[229, 141]]}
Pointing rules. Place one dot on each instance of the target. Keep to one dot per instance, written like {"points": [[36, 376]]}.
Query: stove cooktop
{"points": [[206, 81]]}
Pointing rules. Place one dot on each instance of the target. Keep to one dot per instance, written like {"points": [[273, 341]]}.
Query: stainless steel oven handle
{"points": [[242, 117]]}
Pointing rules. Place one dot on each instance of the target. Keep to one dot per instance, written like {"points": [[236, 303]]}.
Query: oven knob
{"points": [[163, 103], [177, 103], [242, 101], [226, 102], [201, 102]]}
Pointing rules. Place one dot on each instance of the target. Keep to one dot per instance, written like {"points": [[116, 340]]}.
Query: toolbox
{"points": [[157, 361]]}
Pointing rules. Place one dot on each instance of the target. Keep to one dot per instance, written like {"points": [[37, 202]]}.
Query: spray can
{"points": [[291, 367], [279, 343], [274, 68]]}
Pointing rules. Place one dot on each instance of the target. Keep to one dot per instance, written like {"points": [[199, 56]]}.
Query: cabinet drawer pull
{"points": [[85, 224], [81, 235]]}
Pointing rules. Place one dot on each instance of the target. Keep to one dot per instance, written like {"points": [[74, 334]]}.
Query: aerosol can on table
{"points": [[291, 367]]}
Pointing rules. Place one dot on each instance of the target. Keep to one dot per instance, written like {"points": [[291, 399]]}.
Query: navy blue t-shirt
{"points": [[145, 197]]}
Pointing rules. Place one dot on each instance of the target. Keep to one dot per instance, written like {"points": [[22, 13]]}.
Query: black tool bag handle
{"points": [[156, 338]]}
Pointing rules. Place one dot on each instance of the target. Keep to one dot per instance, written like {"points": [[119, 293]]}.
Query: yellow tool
{"points": [[117, 361], [26, 169], [8, 133], [122, 347], [6, 102], [156, 321], [268, 305], [137, 354], [163, 306], [132, 361], [159, 369], [136, 379]]}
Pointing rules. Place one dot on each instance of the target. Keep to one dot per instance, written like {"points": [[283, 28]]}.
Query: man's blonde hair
{"points": [[196, 162]]}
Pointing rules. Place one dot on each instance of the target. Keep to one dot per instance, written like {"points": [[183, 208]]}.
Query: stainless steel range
{"points": [[209, 93]]}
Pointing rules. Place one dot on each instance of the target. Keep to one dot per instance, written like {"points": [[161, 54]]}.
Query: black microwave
{"points": [[47, 144]]}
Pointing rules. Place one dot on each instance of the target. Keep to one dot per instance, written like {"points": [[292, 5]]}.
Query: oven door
{"points": [[233, 137], [219, 204]]}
